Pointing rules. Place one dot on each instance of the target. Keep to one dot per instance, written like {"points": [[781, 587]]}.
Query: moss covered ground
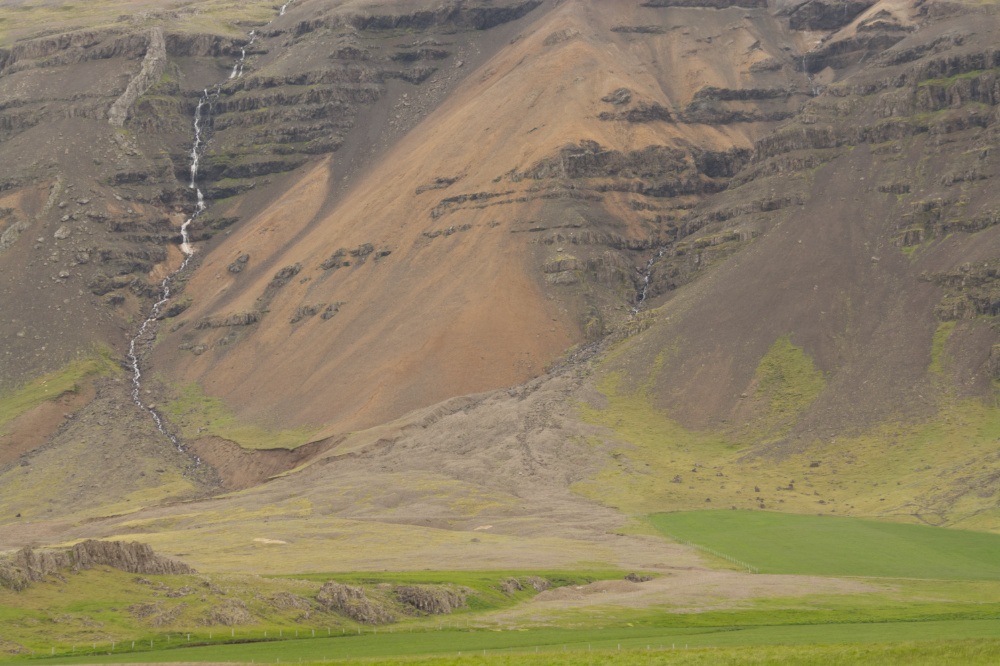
{"points": [[940, 471], [198, 415], [69, 379]]}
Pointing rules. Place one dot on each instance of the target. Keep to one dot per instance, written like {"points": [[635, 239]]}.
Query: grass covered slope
{"points": [[831, 546], [21, 21], [940, 469], [70, 379]]}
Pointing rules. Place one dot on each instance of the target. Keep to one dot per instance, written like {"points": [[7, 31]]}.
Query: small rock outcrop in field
{"points": [[537, 582], [28, 566], [230, 614], [434, 600], [351, 601], [512, 585], [135, 557], [289, 601], [12, 648], [156, 613]]}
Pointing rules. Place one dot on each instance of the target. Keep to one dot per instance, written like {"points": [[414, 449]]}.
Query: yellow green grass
{"points": [[78, 617], [938, 343], [789, 382], [71, 378], [102, 605], [36, 18], [943, 653], [940, 471], [907, 643], [199, 415]]}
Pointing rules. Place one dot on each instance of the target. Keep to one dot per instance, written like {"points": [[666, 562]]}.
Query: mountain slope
{"points": [[722, 256]]}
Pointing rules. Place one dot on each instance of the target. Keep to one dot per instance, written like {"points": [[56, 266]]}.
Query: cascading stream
{"points": [[148, 327], [812, 83], [238, 67], [646, 275]]}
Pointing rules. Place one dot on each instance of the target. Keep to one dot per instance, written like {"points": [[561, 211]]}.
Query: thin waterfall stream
{"points": [[812, 83], [647, 274], [148, 327]]}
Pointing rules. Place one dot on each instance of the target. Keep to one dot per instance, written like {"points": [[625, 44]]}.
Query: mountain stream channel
{"points": [[147, 330]]}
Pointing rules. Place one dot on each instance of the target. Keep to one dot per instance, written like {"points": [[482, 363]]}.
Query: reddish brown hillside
{"points": [[464, 251]]}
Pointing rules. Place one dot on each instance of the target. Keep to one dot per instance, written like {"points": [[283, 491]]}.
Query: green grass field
{"points": [[930, 595], [831, 546], [590, 645]]}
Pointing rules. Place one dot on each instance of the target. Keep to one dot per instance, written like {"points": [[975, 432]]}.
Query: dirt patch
{"points": [[691, 590], [239, 468]]}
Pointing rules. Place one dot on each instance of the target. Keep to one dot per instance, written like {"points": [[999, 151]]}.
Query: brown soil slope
{"points": [[439, 287]]}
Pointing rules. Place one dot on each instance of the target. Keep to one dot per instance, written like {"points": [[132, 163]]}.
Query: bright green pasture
{"points": [[832, 546], [591, 646]]}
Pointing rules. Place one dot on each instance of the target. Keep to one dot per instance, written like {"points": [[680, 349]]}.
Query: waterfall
{"points": [[148, 327], [812, 84], [646, 275], [238, 65]]}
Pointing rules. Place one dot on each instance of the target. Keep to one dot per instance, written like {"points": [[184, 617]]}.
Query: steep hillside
{"points": [[502, 218], [519, 269]]}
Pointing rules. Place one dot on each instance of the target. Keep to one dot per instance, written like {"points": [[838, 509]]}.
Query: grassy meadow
{"points": [[832, 546], [107, 616], [37, 18], [893, 472]]}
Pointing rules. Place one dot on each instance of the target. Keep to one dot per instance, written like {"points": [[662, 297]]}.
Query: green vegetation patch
{"points": [[799, 645], [222, 17], [492, 588], [940, 339], [789, 382], [199, 415], [832, 546], [654, 450], [70, 379]]}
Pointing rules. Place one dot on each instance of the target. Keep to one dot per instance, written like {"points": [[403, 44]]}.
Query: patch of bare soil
{"points": [[239, 468], [692, 590]]}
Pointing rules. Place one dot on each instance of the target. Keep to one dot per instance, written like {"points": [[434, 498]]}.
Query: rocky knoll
{"points": [[28, 566], [433, 600], [133, 557], [352, 602]]}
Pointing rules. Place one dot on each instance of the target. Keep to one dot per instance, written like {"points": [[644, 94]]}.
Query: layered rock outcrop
{"points": [[28, 566], [154, 64]]}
